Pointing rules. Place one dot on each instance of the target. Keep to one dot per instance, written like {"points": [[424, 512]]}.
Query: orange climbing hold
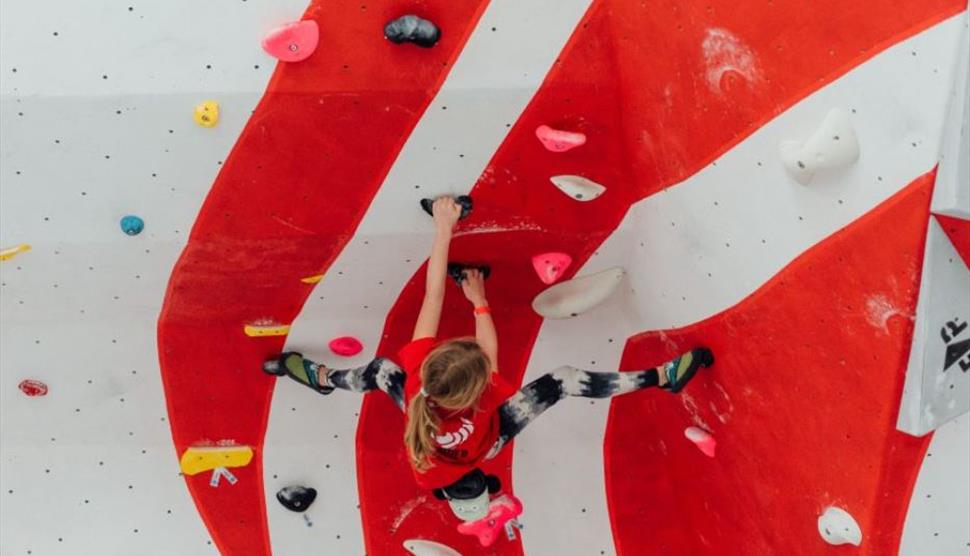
{"points": [[292, 42], [559, 141]]}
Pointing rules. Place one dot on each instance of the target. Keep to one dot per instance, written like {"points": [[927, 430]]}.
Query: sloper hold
{"points": [[292, 42], [833, 145], [574, 297], [559, 141], [464, 200], [421, 547], [411, 28], [206, 458], [346, 346], [702, 439], [207, 113], [837, 526], [551, 266], [578, 187], [296, 498]]}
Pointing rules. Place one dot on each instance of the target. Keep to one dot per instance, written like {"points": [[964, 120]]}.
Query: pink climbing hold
{"points": [[503, 509], [702, 439], [294, 41], [347, 346], [559, 141], [551, 266], [33, 387]]}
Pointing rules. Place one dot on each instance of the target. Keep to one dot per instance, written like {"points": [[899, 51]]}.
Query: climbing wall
{"points": [[771, 190]]}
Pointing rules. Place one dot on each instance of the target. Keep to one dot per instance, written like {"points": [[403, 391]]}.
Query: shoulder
{"points": [[413, 354]]}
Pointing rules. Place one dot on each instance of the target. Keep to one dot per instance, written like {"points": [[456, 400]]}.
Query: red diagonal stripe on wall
{"points": [[958, 230]]}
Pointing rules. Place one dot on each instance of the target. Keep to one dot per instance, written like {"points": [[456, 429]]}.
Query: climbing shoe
{"points": [[302, 370], [679, 371]]}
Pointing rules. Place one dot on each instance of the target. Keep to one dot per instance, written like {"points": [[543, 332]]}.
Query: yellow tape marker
{"points": [[312, 279], [206, 458], [12, 252], [255, 330]]}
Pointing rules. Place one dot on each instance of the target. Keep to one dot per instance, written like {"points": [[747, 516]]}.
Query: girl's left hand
{"points": [[473, 286]]}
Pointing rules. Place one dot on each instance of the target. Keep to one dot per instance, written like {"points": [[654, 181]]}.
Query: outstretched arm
{"points": [[446, 212], [474, 289]]}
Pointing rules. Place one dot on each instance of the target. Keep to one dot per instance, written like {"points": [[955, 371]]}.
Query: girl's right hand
{"points": [[446, 213]]}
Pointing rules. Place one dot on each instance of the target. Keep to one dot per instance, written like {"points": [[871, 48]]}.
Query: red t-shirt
{"points": [[464, 437]]}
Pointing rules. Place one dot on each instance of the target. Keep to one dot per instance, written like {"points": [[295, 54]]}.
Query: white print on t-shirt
{"points": [[452, 439]]}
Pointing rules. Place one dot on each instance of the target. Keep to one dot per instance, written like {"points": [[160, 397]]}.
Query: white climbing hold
{"points": [[837, 526], [833, 145], [702, 439], [578, 187], [576, 296], [421, 547]]}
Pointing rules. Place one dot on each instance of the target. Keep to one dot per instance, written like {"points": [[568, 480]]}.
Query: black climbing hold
{"points": [[296, 498], [469, 487], [457, 271], [411, 28], [464, 200]]}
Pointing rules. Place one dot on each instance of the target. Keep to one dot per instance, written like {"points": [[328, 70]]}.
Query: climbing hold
{"points": [[296, 498], [411, 28], [207, 113], [578, 187], [572, 297], [551, 266], [33, 387], [503, 509], [197, 459], [11, 252], [559, 141], [315, 279], [292, 42], [457, 271], [255, 330], [421, 547], [702, 439], [837, 526], [346, 346], [464, 200], [132, 225], [833, 145]]}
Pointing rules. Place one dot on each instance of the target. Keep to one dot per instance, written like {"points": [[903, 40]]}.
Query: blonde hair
{"points": [[454, 374]]}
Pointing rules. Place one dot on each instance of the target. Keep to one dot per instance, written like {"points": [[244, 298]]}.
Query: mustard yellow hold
{"points": [[312, 279], [207, 113], [206, 458], [256, 330], [11, 252]]}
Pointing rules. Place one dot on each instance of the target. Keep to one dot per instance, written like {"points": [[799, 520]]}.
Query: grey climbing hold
{"points": [[577, 187], [833, 145], [411, 28], [837, 526]]}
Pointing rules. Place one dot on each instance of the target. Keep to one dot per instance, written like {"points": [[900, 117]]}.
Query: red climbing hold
{"points": [[559, 141], [294, 41], [347, 346], [33, 387], [551, 266]]}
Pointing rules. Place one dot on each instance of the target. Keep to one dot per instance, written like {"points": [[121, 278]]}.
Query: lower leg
{"points": [[380, 374]]}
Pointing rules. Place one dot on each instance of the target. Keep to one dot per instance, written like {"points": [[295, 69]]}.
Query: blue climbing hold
{"points": [[132, 225]]}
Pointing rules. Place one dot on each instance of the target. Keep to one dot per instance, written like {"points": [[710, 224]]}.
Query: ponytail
{"points": [[422, 425]]}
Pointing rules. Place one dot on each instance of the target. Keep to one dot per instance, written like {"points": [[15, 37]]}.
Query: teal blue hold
{"points": [[132, 225]]}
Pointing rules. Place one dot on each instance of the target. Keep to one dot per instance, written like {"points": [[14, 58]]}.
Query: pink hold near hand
{"points": [[702, 439], [551, 266], [503, 509], [347, 346], [294, 41], [559, 141]]}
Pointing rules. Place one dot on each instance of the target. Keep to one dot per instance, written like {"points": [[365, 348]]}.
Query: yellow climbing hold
{"points": [[255, 330], [206, 458], [312, 279], [12, 252], [207, 113]]}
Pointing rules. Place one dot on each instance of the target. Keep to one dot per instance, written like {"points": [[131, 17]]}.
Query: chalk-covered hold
{"points": [[559, 141], [411, 28], [296, 498], [702, 439], [578, 187], [207, 113], [421, 547], [834, 145], [576, 296], [132, 225], [292, 42], [551, 266], [346, 346], [837, 526]]}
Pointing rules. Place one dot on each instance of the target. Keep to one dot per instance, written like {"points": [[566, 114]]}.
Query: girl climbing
{"points": [[459, 410]]}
